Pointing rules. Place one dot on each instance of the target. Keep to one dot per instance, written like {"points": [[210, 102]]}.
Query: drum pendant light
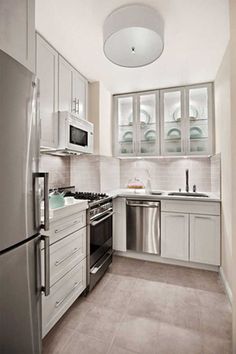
{"points": [[133, 36]]}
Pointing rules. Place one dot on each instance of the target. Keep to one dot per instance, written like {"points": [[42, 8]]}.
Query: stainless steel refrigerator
{"points": [[20, 275]]}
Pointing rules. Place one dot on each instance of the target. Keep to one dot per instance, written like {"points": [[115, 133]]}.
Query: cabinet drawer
{"points": [[65, 254], [211, 208], [67, 226], [62, 295]]}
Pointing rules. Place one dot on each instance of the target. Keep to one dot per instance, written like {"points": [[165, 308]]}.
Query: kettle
{"points": [[56, 199]]}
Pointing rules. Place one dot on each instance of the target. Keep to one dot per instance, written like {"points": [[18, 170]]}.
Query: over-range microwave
{"points": [[75, 134]]}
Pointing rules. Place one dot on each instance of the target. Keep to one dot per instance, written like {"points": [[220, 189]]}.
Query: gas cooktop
{"points": [[87, 195]]}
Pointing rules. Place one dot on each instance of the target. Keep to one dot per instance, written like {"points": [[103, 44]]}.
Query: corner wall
{"points": [[223, 145]]}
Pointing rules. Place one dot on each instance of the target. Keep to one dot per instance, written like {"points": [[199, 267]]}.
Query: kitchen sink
{"points": [[188, 194], [156, 193]]}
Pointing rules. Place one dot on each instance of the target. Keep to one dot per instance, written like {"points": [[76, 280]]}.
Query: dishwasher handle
{"points": [[143, 205]]}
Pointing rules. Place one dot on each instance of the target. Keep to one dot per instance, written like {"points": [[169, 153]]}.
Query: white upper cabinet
{"points": [[199, 120], [172, 113], [137, 124], [65, 86], [79, 94], [47, 72], [187, 120], [17, 30], [73, 90], [168, 122]]}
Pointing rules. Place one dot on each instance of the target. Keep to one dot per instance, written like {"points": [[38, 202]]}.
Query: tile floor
{"points": [[147, 308]]}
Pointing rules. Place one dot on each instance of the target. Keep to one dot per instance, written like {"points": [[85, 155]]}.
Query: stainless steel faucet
{"points": [[187, 180]]}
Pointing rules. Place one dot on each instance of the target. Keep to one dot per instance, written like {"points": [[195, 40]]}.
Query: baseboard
{"points": [[155, 258], [226, 285]]}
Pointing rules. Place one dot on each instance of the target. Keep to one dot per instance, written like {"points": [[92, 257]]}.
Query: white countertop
{"points": [[137, 193], [67, 209]]}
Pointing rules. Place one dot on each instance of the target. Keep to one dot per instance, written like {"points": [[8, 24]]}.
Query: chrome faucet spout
{"points": [[187, 180]]}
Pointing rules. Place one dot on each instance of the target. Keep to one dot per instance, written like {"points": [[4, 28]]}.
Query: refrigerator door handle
{"points": [[44, 175], [46, 287]]}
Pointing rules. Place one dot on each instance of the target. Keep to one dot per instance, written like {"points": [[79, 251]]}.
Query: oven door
{"points": [[100, 236]]}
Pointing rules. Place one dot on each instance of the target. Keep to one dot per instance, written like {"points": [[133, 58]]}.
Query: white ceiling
{"points": [[196, 36]]}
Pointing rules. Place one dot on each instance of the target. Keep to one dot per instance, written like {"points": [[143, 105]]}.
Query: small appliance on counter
{"points": [[56, 199]]}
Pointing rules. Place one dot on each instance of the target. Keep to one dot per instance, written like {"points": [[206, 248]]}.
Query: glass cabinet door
{"points": [[147, 124], [125, 125], [173, 122], [199, 120]]}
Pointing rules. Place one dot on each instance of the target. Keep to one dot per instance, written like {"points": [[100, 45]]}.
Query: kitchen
{"points": [[121, 235]]}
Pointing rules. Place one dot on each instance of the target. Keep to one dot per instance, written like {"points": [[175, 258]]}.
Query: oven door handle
{"points": [[95, 269], [94, 223]]}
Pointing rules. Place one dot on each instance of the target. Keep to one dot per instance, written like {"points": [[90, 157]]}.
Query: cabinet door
{"points": [[47, 72], [119, 224], [205, 239], [148, 124], [174, 236], [199, 119], [65, 86], [125, 130], [17, 30], [173, 122], [79, 95]]}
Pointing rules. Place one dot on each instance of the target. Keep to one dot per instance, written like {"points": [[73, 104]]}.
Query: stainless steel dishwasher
{"points": [[143, 226]]}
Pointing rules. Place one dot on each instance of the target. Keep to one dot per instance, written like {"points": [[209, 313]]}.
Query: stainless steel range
{"points": [[99, 220]]}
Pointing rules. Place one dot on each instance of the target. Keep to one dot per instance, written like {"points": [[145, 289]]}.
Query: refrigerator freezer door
{"points": [[19, 147], [20, 299]]}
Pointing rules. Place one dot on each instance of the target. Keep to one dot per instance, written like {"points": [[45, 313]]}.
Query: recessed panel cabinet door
{"points": [[17, 30], [79, 95], [65, 86], [205, 239], [174, 236], [47, 72]]}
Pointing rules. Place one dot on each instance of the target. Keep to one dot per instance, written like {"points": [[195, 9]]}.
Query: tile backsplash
{"points": [[95, 173], [58, 168], [102, 174], [168, 173]]}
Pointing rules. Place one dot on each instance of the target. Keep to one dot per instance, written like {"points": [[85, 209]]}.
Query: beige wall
{"points": [[233, 135], [100, 103], [223, 145]]}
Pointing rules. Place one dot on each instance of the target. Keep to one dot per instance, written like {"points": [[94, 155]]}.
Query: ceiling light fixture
{"points": [[133, 36]]}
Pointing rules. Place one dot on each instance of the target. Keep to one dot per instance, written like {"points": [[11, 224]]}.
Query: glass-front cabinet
{"points": [[199, 120], [137, 124], [168, 122], [172, 114]]}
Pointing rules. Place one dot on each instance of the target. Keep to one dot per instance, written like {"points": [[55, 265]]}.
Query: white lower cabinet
{"points": [[190, 236], [119, 224], [64, 255], [205, 239], [68, 266], [62, 295], [174, 236]]}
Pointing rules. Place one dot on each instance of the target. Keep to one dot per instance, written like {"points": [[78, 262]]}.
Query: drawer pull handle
{"points": [[66, 257], [66, 227], [58, 303]]}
